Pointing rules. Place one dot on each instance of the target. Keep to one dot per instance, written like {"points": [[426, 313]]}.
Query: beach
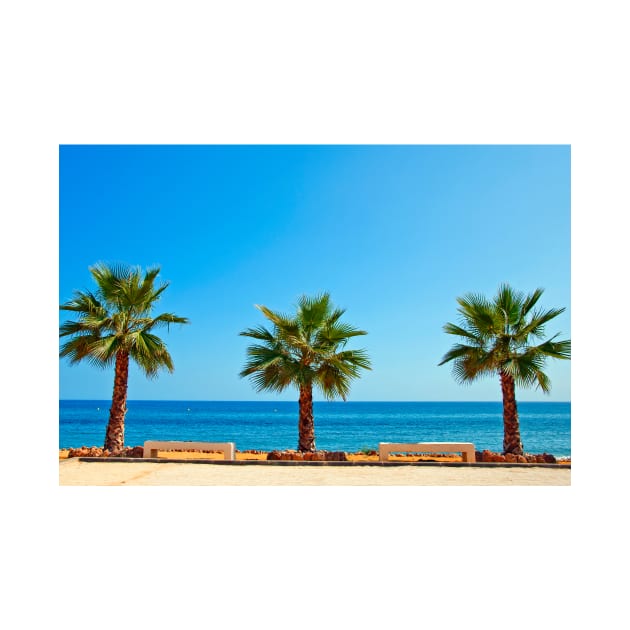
{"points": [[83, 472]]}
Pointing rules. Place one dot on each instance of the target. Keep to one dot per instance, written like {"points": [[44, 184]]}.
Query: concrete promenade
{"points": [[74, 472]]}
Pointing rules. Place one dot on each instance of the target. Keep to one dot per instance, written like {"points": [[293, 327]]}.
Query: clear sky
{"points": [[394, 233]]}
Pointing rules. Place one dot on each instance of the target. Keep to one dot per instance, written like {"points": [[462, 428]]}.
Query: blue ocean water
{"points": [[339, 426]]}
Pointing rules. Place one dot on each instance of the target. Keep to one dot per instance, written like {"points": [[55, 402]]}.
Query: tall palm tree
{"points": [[303, 350], [113, 325], [497, 340]]}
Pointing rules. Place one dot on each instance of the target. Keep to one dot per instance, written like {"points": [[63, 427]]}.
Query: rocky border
{"points": [[485, 456]]}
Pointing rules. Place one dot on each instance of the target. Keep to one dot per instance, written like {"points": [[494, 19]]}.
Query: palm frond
{"points": [[507, 305], [260, 332], [106, 347], [499, 335], [526, 370], [81, 327], [477, 315], [128, 292], [473, 335], [314, 310], [334, 375], [536, 326], [150, 353], [284, 323], [335, 316], [335, 335], [543, 381], [470, 368], [85, 303], [277, 375], [530, 301], [117, 319], [147, 293], [302, 349], [93, 348], [458, 351], [272, 378], [164, 319], [332, 382], [261, 356], [108, 277], [352, 360], [469, 362], [555, 349]]}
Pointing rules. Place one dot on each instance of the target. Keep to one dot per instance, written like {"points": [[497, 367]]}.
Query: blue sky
{"points": [[394, 233]]}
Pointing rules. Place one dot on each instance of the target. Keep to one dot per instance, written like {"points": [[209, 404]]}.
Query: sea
{"points": [[339, 426]]}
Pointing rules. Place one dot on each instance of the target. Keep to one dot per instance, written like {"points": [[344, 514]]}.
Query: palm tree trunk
{"points": [[511, 429], [115, 435], [306, 426]]}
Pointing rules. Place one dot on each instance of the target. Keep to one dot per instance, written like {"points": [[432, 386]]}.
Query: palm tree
{"points": [[113, 325], [497, 339], [304, 350]]}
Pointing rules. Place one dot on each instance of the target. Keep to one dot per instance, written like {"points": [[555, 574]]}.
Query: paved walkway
{"points": [[73, 472]]}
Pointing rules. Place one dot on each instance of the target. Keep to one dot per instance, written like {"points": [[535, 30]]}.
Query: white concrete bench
{"points": [[151, 447], [465, 448]]}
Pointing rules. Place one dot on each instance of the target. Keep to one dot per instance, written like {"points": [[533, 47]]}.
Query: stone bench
{"points": [[151, 447], [467, 449]]}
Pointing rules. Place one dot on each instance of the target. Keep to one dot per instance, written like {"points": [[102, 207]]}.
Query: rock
{"points": [[308, 456], [292, 456], [526, 458], [135, 451], [336, 456], [489, 456]]}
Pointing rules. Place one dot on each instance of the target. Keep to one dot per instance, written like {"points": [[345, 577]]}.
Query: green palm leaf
{"points": [[304, 350], [499, 336], [113, 324], [504, 328]]}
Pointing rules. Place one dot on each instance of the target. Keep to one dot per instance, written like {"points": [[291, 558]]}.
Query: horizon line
{"points": [[315, 401]]}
